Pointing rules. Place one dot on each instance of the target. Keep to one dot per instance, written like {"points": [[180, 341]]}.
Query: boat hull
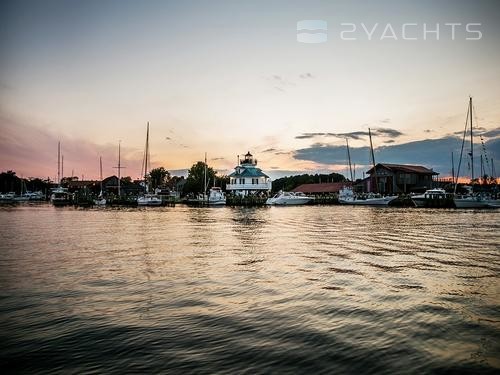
{"points": [[470, 203], [149, 203], [368, 202], [288, 202]]}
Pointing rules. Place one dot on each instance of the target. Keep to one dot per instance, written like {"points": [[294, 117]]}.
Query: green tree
{"points": [[195, 180], [158, 177]]}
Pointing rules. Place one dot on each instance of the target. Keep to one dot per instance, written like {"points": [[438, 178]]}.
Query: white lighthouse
{"points": [[248, 179]]}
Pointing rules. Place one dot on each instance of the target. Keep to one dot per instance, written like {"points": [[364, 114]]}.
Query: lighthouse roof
{"points": [[243, 171]]}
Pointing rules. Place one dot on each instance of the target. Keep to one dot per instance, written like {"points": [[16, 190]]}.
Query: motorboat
{"points": [[7, 197], [60, 197], [347, 196], [471, 201], [35, 195], [216, 197], [284, 198], [100, 201], [431, 198], [149, 200]]}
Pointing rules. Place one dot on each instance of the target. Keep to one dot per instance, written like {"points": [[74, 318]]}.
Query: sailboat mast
{"points": [[146, 159], [349, 158], [373, 160], [100, 170], [119, 168], [59, 163], [452, 168], [471, 142], [205, 175]]}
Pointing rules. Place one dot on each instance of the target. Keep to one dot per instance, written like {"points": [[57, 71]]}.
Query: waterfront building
{"points": [[399, 178], [247, 179], [110, 185]]}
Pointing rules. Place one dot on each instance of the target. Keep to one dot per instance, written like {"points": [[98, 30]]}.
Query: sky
{"points": [[227, 77]]}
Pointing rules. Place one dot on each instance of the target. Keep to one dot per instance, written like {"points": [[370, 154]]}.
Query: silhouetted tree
{"points": [[158, 177], [291, 182], [10, 182], [195, 180]]}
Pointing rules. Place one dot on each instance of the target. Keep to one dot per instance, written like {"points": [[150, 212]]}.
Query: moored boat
{"points": [[60, 197], [284, 198], [147, 199], [433, 198], [347, 196]]}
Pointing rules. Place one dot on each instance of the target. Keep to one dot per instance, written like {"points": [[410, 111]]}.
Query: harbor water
{"points": [[311, 289]]}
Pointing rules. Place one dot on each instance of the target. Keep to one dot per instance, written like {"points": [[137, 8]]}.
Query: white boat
{"points": [[35, 196], [347, 196], [422, 200], [60, 197], [470, 201], [493, 203], [7, 197], [100, 201], [216, 197], [148, 199], [284, 198]]}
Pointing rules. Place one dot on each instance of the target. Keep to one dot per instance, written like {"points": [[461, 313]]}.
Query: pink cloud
{"points": [[31, 151]]}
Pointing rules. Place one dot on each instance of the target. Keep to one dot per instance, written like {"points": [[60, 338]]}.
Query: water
{"points": [[314, 289]]}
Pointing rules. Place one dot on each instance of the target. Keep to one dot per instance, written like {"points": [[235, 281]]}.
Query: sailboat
{"points": [[216, 196], [470, 200], [347, 196], [23, 197], [100, 201], [60, 196], [148, 199]]}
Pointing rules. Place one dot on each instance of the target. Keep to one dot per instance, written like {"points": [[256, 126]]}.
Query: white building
{"points": [[248, 179]]}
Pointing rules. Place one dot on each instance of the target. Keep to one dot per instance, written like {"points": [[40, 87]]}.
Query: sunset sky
{"points": [[227, 77]]}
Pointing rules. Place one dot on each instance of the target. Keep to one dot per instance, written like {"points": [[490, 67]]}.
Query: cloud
{"points": [[280, 83], [219, 158], [306, 76], [433, 153], [492, 133], [31, 151], [269, 150], [385, 121], [380, 132], [387, 132]]}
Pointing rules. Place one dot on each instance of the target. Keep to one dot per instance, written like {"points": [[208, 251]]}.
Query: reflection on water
{"points": [[322, 289]]}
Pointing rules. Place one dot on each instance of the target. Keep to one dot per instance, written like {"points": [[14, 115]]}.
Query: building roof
{"points": [[329, 187], [248, 172], [418, 169], [80, 184]]}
